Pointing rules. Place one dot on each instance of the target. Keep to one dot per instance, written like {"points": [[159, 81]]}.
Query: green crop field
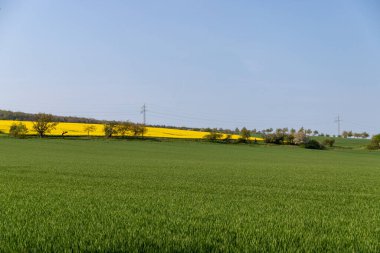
{"points": [[99, 195]]}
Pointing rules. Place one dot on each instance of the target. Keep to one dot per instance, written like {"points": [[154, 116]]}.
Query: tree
{"points": [[315, 133], [43, 124], [245, 134], [214, 136], [365, 135], [89, 129], [344, 134], [110, 129], [138, 129], [18, 130], [124, 128]]}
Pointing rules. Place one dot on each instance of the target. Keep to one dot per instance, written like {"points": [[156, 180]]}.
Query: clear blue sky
{"points": [[195, 63]]}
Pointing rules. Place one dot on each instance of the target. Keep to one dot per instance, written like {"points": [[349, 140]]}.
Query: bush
{"points": [[373, 146], [329, 142], [242, 140], [18, 130], [300, 138], [227, 139], [313, 144], [375, 143], [274, 138]]}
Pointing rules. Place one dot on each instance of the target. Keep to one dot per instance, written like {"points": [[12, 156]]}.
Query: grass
{"points": [[346, 143], [99, 195]]}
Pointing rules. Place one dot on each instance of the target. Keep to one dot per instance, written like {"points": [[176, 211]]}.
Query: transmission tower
{"points": [[143, 112], [338, 120]]}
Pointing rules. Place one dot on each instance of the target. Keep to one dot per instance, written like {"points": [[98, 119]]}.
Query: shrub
{"points": [[241, 140], [275, 138], [375, 143], [329, 142], [300, 138], [313, 144], [227, 139], [18, 130], [373, 146]]}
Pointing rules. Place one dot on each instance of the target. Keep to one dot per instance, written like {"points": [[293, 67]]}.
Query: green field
{"points": [[99, 195]]}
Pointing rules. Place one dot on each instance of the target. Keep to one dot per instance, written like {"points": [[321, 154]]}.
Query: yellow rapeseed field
{"points": [[78, 129]]}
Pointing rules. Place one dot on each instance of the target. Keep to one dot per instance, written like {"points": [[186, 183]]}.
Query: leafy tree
{"points": [[110, 129], [315, 133], [124, 128], [245, 134], [43, 124], [138, 129], [18, 130], [269, 130], [89, 129]]}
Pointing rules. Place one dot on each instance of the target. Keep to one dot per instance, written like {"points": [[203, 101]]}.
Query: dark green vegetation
{"points": [[9, 115], [112, 195]]}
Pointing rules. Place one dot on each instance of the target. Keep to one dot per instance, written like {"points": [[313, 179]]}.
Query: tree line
{"points": [[44, 123], [22, 116]]}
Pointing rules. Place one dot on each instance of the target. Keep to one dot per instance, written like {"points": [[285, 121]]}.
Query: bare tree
{"points": [[89, 129], [44, 124]]}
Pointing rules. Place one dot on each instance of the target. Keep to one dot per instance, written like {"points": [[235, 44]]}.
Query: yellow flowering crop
{"points": [[78, 129]]}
